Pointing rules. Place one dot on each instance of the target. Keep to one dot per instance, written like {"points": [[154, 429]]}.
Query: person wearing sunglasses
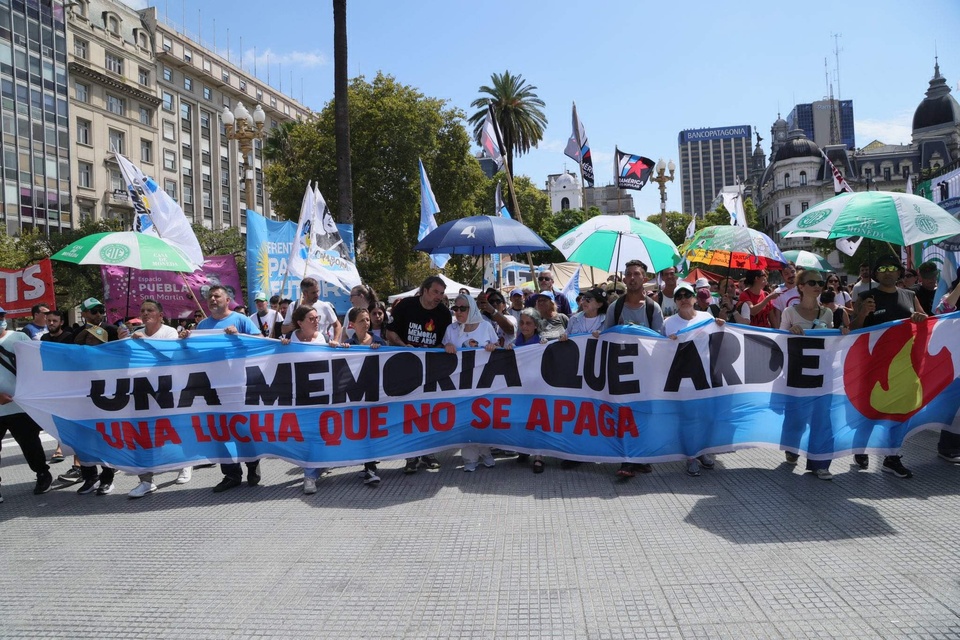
{"points": [[688, 315], [545, 280], [841, 297], [470, 330], [806, 315], [886, 303]]}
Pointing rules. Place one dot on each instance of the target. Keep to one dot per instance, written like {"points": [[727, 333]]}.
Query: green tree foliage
{"points": [[519, 113], [677, 224], [391, 126]]}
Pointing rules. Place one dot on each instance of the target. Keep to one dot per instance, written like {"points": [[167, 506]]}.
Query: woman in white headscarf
{"points": [[470, 330]]}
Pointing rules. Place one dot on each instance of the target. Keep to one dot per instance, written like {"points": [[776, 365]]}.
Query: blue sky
{"points": [[639, 71]]}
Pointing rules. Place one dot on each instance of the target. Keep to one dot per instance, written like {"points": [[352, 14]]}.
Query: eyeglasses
{"points": [[814, 283], [682, 295], [99, 310], [495, 301], [544, 278], [463, 308], [888, 268]]}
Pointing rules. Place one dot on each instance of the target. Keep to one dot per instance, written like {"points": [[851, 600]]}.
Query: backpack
{"points": [[618, 311]]}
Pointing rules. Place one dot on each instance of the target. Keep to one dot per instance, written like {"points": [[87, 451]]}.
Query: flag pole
{"points": [[513, 193], [576, 134]]}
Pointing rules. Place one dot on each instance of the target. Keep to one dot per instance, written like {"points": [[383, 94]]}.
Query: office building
{"points": [[711, 159], [36, 141], [826, 122]]}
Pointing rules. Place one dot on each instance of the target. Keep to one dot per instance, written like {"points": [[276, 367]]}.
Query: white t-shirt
{"points": [[267, 321], [317, 338], [860, 287], [842, 298], [668, 306], [580, 323], [165, 332], [791, 317], [786, 299], [674, 324], [328, 316], [483, 334], [508, 339]]}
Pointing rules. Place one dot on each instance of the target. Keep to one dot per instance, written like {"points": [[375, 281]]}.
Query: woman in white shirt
{"points": [[154, 328], [306, 322], [469, 329]]}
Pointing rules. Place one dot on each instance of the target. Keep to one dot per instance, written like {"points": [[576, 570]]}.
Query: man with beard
{"points": [[330, 326], [421, 321], [789, 295], [264, 317]]}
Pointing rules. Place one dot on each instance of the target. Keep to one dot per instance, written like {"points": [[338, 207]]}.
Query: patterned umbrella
{"points": [[808, 260], [897, 218], [609, 242], [125, 249], [734, 247]]}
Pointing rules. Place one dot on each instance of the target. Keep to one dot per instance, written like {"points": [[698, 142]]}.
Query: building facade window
{"points": [[113, 63], [207, 93], [786, 180], [116, 105], [144, 76], [167, 43], [80, 48], [886, 173], [803, 178], [81, 92], [146, 115], [185, 111], [169, 160], [187, 83], [168, 74], [786, 211], [188, 55], [804, 206], [146, 151], [170, 187], [116, 181], [85, 175], [113, 25], [117, 141], [167, 101], [83, 132], [187, 193], [169, 131]]}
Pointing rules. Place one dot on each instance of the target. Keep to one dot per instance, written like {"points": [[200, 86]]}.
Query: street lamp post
{"points": [[662, 179], [245, 127]]}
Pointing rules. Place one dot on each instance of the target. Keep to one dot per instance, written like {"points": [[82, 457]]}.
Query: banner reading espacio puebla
{"points": [[629, 395]]}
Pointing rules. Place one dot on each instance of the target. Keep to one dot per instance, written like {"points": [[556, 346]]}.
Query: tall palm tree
{"points": [[342, 112], [519, 113]]}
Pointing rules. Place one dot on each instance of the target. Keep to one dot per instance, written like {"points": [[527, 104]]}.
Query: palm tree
{"points": [[277, 146], [518, 110], [341, 112]]}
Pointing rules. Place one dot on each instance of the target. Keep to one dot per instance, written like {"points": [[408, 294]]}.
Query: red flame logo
{"points": [[900, 377], [430, 326]]}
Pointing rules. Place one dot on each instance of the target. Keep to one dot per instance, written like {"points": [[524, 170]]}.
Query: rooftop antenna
{"points": [[826, 76], [836, 54]]}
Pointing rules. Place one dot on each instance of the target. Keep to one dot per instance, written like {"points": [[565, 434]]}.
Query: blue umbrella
{"points": [[481, 235]]}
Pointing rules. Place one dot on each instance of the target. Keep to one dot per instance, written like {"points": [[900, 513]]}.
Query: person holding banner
{"points": [[420, 321], [807, 315], [221, 317], [154, 328], [686, 316], [12, 418], [330, 325]]}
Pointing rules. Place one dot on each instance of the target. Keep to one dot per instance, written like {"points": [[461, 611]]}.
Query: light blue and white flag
{"points": [[572, 289], [428, 211], [502, 210]]}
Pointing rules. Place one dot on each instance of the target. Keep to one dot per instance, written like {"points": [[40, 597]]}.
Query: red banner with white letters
{"points": [[21, 289]]}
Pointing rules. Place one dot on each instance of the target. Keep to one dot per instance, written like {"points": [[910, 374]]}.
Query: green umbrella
{"points": [[808, 260], [609, 242], [897, 218], [125, 249]]}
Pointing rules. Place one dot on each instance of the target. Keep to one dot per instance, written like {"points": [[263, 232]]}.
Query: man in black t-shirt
{"points": [[926, 289], [57, 328], [886, 303], [420, 321]]}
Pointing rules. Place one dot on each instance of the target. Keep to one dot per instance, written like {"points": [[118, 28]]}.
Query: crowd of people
{"points": [[805, 300]]}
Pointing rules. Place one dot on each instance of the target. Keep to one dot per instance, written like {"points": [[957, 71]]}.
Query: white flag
{"points": [[691, 228], [488, 140], [314, 252], [166, 216], [428, 211], [839, 184], [848, 245]]}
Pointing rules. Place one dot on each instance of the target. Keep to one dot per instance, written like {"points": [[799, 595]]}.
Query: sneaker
{"points": [[469, 466], [488, 461], [862, 460], [895, 466], [226, 483], [371, 478], [430, 462], [105, 489], [707, 461], [309, 486], [626, 470], [693, 467], [791, 457], [71, 477], [412, 465], [253, 479], [44, 480], [88, 486], [950, 456], [185, 475], [823, 474], [142, 489]]}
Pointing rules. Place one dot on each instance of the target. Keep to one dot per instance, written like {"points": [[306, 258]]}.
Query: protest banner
{"points": [[126, 289], [24, 288], [630, 395]]}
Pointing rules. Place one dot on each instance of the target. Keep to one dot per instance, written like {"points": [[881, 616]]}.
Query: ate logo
{"points": [[900, 376]]}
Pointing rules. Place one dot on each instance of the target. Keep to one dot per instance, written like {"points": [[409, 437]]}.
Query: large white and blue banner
{"points": [[629, 395]]}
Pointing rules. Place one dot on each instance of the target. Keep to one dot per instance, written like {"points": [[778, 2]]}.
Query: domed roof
{"points": [[797, 145], [939, 107], [565, 181]]}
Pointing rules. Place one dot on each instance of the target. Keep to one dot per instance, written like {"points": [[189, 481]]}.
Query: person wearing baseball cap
{"points": [[264, 317]]}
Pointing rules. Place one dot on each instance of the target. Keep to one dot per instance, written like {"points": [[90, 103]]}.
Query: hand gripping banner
{"points": [[630, 395]]}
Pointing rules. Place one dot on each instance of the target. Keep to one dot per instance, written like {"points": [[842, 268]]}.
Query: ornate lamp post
{"points": [[245, 127], [662, 179]]}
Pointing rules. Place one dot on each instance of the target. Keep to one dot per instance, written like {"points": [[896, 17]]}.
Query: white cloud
{"points": [[303, 59], [895, 130]]}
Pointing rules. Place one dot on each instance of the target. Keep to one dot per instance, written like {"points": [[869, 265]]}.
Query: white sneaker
{"points": [[823, 474], [105, 489], [184, 476], [487, 461], [309, 486], [142, 489]]}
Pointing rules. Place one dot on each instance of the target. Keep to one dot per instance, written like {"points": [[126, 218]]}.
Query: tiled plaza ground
{"points": [[753, 549]]}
